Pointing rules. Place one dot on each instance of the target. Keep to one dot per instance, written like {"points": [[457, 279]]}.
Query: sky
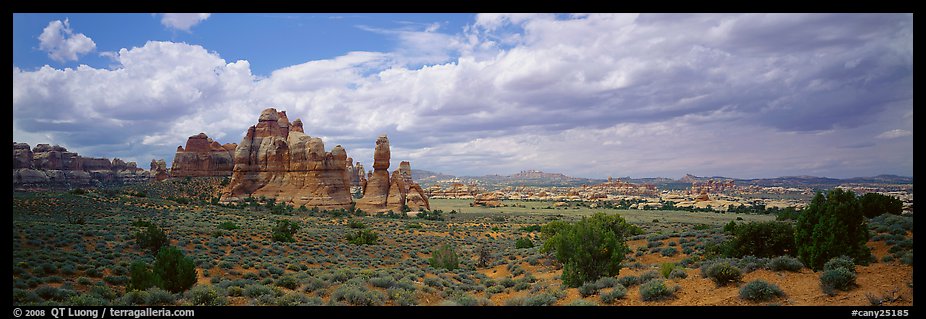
{"points": [[587, 95]]}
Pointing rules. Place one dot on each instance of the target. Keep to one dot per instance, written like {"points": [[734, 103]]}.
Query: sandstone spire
{"points": [[276, 159]]}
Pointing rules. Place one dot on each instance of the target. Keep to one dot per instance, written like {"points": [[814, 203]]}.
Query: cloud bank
{"points": [[755, 95]]}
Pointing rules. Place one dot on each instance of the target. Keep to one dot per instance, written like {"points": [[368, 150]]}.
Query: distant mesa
{"points": [[54, 166], [203, 157]]}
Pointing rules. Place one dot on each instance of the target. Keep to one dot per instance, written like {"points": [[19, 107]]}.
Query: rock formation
{"points": [[276, 159], [358, 176], [487, 200], [159, 170], [376, 190], [203, 157], [384, 193], [22, 155], [54, 166]]}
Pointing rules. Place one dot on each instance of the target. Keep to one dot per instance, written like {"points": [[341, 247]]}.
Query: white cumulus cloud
{"points": [[62, 44], [183, 21]]}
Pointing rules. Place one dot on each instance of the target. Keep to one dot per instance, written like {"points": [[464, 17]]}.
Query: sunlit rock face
{"points": [[276, 159], [203, 157], [383, 192]]}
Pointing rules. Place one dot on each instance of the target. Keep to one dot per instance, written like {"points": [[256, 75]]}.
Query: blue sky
{"points": [[268, 41], [591, 95]]}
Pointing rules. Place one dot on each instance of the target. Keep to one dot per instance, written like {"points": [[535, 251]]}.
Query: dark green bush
{"points": [[363, 237], [874, 204], [759, 290], [284, 230], [141, 276], [591, 248], [287, 282], [152, 239], [763, 239], [523, 242], [444, 257], [172, 271], [832, 225], [228, 226]]}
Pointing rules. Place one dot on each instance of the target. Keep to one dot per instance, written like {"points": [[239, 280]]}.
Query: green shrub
{"points": [[356, 224], [159, 297], [257, 290], [228, 226], [759, 290], [205, 295], [656, 289], [152, 239], [723, 273], [838, 278], [874, 204], [86, 300], [134, 298], [588, 289], [730, 227], [629, 281], [523, 242], [382, 282], [666, 268], [618, 292], [840, 262], [590, 248], [786, 263], [287, 282], [141, 276], [669, 251], [763, 239], [581, 302], [444, 257], [363, 237], [677, 273], [174, 271], [358, 296], [832, 225], [284, 231]]}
